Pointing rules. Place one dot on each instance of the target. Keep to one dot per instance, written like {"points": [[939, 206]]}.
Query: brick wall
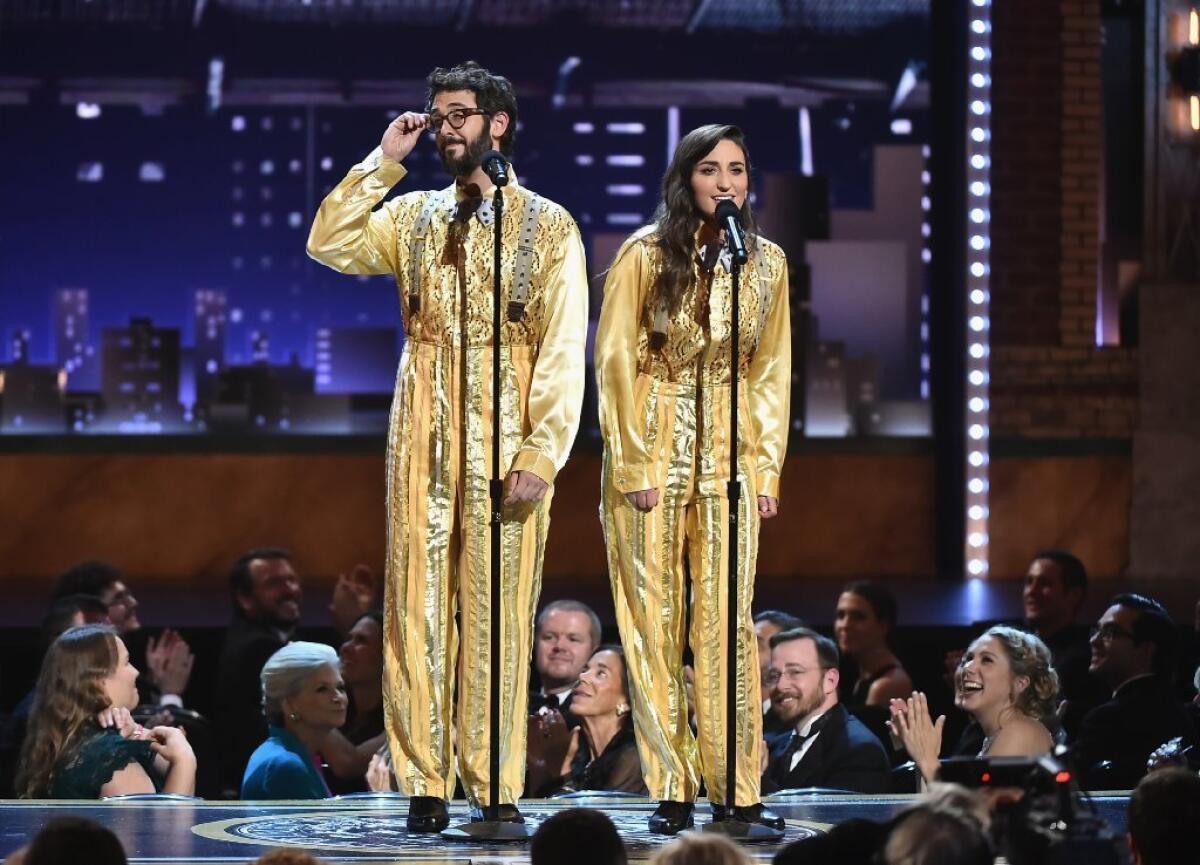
{"points": [[1049, 380]]}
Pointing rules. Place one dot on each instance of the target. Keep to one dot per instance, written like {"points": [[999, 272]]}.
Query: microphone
{"points": [[496, 167], [729, 219]]}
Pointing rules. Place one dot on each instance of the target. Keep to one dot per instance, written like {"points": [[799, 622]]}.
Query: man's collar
{"points": [[1121, 687]]}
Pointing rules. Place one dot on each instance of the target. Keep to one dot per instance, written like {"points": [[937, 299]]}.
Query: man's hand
{"points": [[524, 486], [353, 594], [644, 500], [402, 134], [768, 506], [170, 661]]}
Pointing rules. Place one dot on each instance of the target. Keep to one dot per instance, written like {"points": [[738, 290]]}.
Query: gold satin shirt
{"points": [[696, 353], [351, 237]]}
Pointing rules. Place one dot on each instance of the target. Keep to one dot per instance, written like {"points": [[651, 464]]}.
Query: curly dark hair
{"points": [[676, 220], [493, 93]]}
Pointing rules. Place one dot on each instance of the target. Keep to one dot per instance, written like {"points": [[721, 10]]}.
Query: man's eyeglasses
{"points": [[455, 117], [1109, 632]]}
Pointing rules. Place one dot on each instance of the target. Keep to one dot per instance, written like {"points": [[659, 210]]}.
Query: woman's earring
{"points": [[622, 708], [293, 716]]}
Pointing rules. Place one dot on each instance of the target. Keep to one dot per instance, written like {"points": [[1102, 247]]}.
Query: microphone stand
{"points": [[729, 826], [491, 828]]}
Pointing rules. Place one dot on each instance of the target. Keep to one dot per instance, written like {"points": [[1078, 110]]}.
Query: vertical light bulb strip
{"points": [[978, 206]]}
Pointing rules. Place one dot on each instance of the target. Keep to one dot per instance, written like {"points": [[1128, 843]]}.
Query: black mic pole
{"points": [[492, 828], [727, 215]]}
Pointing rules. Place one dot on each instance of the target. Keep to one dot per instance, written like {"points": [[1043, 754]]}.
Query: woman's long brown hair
{"points": [[677, 219], [70, 691]]}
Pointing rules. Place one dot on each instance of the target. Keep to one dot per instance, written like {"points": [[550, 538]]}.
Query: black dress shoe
{"points": [[671, 818], [504, 814], [427, 814], [757, 813]]}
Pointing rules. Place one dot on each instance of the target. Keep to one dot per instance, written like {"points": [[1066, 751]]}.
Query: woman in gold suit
{"points": [[663, 366]]}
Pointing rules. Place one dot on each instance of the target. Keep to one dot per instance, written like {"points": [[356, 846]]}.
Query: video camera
{"points": [[1043, 824]]}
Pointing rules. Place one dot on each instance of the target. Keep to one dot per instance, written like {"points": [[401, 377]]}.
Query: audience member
{"points": [[580, 836], [288, 856], [866, 615], [87, 682], [304, 700], [65, 613], [827, 747], [1133, 652], [1005, 682], [603, 753], [567, 634], [696, 848], [168, 658], [266, 596], [348, 751], [1055, 588], [767, 624], [71, 840], [948, 826], [1164, 818]]}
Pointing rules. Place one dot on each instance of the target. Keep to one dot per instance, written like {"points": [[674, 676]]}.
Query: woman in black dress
{"points": [[603, 753]]}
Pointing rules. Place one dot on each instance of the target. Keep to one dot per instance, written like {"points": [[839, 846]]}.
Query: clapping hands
{"points": [[912, 726], [169, 659]]}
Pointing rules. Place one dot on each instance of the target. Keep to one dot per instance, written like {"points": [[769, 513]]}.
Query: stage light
{"points": [[977, 512], [583, 128], [978, 377], [978, 323], [977, 404], [979, 162], [87, 110], [979, 269], [977, 431]]}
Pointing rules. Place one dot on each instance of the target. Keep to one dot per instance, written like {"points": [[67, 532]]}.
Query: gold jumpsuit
{"points": [[664, 415], [439, 460]]}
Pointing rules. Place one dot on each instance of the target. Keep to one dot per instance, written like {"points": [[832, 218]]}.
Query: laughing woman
{"points": [[1005, 682], [662, 365]]}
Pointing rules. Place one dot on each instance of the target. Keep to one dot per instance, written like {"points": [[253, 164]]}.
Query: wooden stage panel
{"points": [[372, 829]]}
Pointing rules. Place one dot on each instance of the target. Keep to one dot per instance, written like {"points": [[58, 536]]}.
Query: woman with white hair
{"points": [[304, 700]]}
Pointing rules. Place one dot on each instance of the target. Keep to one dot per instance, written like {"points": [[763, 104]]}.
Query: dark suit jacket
{"points": [[845, 755], [238, 718], [1142, 715]]}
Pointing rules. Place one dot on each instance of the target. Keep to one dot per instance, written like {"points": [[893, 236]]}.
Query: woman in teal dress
{"points": [[81, 741], [304, 699]]}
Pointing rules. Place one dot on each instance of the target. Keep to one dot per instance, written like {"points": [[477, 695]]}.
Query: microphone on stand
{"points": [[729, 218], [495, 166]]}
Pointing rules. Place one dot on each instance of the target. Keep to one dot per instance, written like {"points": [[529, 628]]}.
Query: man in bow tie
{"points": [[826, 746], [439, 245]]}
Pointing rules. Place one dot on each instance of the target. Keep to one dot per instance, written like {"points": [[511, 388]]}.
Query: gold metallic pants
{"points": [[439, 464], [686, 430]]}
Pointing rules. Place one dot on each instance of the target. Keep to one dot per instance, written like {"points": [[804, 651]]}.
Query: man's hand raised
{"points": [[402, 134]]}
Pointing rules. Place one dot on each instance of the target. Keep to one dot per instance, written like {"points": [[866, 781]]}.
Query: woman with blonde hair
{"points": [[1006, 683], [81, 742]]}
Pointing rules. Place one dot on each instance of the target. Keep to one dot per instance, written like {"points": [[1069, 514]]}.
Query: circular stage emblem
{"points": [[379, 830]]}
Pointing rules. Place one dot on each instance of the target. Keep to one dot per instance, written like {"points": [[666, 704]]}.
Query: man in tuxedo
{"points": [[1133, 651], [826, 746], [567, 634]]}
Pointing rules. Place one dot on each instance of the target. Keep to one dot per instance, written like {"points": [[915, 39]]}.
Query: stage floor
{"points": [[372, 829]]}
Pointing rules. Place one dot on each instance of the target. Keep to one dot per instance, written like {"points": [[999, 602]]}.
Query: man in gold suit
{"points": [[439, 245]]}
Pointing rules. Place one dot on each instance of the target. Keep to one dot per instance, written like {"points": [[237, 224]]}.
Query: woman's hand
{"points": [[119, 718], [643, 500], [768, 507], [921, 736], [172, 745]]}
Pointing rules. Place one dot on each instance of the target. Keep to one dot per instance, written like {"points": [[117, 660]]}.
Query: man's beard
{"points": [[802, 708], [469, 160]]}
